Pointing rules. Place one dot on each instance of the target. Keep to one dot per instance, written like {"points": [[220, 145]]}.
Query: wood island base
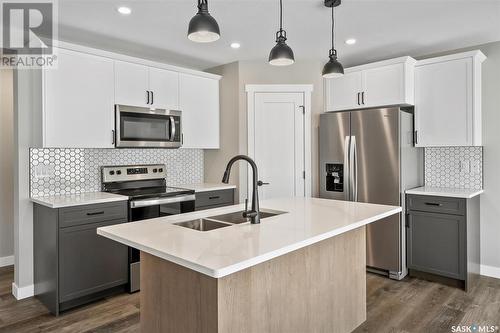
{"points": [[319, 288]]}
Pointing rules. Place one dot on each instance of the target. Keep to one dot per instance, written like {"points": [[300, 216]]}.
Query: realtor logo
{"points": [[25, 25], [28, 33]]}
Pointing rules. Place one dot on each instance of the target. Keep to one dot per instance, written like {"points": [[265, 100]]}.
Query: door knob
{"points": [[260, 183]]}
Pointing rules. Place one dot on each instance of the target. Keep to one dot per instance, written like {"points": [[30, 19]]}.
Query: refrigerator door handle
{"points": [[347, 178], [353, 168]]}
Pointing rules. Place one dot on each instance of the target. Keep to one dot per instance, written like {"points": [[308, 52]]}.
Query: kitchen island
{"points": [[301, 270]]}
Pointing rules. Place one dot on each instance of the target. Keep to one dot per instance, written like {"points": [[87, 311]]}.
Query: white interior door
{"points": [[279, 143]]}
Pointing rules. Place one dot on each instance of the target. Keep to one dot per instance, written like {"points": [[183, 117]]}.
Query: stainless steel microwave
{"points": [[147, 128]]}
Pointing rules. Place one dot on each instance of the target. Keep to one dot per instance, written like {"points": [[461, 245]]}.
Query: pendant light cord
{"points": [[281, 34], [281, 15], [333, 28]]}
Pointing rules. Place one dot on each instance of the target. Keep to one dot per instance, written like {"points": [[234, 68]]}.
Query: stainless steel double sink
{"points": [[224, 220]]}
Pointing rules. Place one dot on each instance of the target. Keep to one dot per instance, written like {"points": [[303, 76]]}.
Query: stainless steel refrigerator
{"points": [[369, 156]]}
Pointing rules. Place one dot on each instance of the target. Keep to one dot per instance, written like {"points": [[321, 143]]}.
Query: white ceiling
{"points": [[383, 28]]}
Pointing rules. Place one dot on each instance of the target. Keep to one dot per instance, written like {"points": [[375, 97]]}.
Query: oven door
{"points": [[143, 209], [142, 127]]}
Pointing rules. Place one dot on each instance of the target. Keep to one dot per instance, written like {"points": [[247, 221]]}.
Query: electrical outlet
{"points": [[464, 166], [43, 171], [475, 168]]}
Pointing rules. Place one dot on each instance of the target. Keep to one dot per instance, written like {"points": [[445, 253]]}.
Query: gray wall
{"points": [[234, 130], [216, 159], [490, 208], [6, 164]]}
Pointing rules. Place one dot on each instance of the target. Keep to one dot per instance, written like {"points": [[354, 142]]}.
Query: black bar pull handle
{"points": [[433, 204], [214, 197], [95, 213]]}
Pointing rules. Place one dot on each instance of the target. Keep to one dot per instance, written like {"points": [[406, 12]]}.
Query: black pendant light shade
{"points": [[333, 68], [203, 28], [281, 54]]}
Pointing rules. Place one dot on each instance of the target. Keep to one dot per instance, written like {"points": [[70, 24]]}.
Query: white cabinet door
{"points": [[164, 85], [78, 102], [131, 84], [343, 93], [443, 103], [199, 103], [384, 86]]}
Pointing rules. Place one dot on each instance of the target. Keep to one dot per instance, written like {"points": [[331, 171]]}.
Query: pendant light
{"points": [[203, 28], [281, 54], [333, 68]]}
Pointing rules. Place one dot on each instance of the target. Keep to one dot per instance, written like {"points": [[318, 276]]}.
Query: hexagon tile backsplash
{"points": [[454, 167], [55, 171]]}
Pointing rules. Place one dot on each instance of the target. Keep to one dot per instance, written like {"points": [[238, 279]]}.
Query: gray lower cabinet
{"points": [[72, 264], [436, 243], [214, 199], [443, 238]]}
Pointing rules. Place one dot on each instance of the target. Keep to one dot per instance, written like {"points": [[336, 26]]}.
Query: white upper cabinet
{"points": [[343, 93], [448, 100], [199, 103], [389, 82], [389, 85], [164, 86], [131, 84], [144, 86], [80, 94], [78, 102]]}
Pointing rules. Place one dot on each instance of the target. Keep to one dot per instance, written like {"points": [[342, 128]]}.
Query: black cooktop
{"points": [[152, 192]]}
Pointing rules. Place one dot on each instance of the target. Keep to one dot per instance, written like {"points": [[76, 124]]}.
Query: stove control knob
{"points": [[155, 170], [111, 172], [118, 172], [160, 170]]}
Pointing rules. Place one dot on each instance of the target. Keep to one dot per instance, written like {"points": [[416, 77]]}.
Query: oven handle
{"points": [[161, 201]]}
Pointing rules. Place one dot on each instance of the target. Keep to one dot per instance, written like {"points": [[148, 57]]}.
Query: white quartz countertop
{"points": [[223, 251], [69, 200], [204, 187], [445, 192]]}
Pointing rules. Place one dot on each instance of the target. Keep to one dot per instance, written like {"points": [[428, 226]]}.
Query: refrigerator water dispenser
{"points": [[335, 177]]}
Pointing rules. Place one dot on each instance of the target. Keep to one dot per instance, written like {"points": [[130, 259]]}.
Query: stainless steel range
{"points": [[149, 197]]}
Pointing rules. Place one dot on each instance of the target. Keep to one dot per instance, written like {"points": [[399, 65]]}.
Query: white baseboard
{"points": [[490, 271], [6, 261], [24, 292]]}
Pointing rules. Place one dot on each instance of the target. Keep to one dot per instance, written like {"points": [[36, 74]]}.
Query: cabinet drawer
{"points": [[214, 198], [435, 204], [73, 216]]}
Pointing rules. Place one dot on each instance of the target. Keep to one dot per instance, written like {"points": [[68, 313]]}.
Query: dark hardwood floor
{"points": [[411, 305]]}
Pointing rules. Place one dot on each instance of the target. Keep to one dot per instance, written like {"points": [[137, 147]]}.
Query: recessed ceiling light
{"points": [[124, 10], [235, 45], [350, 41]]}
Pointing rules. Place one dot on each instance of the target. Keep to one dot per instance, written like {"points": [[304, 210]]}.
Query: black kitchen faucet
{"points": [[254, 213]]}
